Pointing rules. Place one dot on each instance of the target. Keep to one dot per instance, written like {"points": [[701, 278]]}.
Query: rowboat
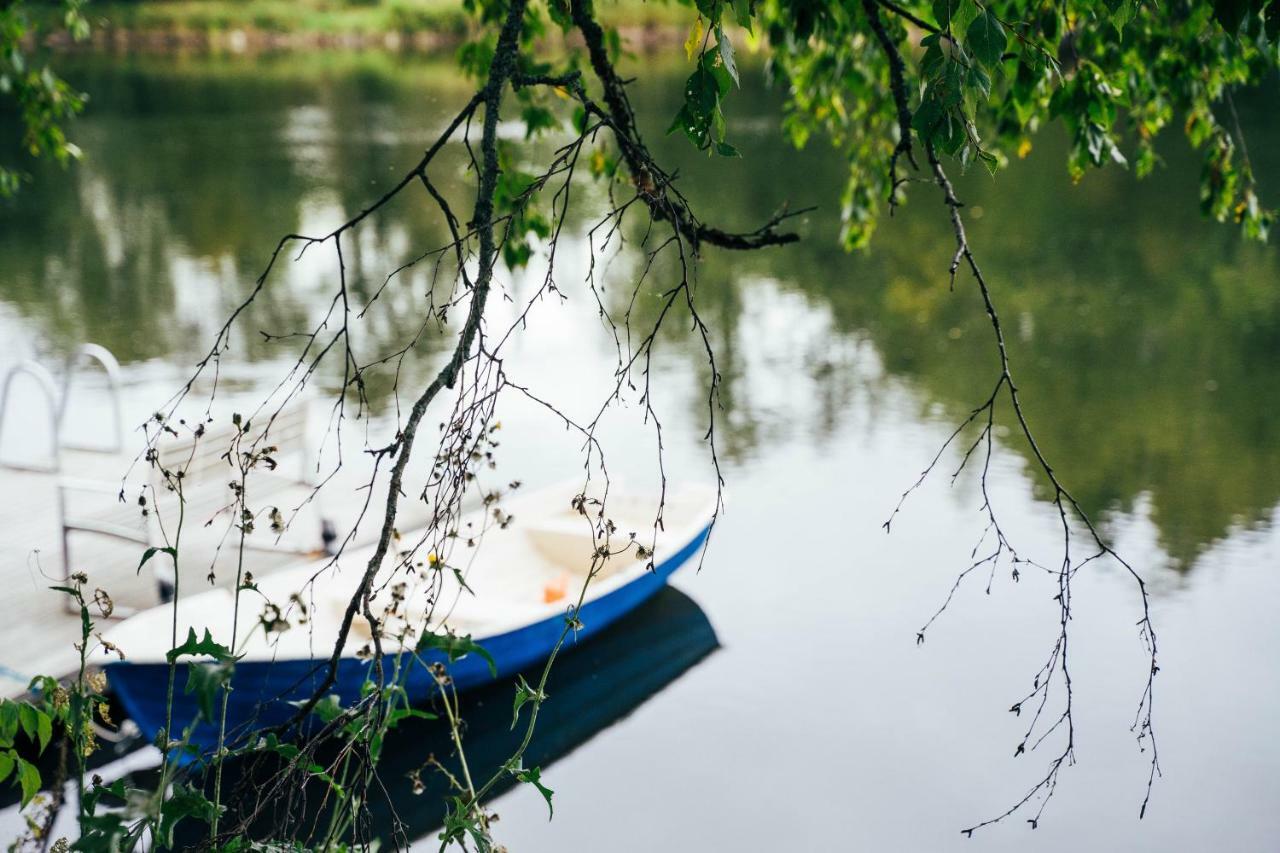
{"points": [[510, 584]]}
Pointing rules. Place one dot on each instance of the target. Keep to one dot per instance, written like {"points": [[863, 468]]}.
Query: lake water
{"points": [[1145, 341]]}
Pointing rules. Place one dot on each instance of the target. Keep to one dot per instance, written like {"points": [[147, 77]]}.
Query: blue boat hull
{"points": [[263, 690]]}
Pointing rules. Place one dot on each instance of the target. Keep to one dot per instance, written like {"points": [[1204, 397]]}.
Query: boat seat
{"points": [[566, 543]]}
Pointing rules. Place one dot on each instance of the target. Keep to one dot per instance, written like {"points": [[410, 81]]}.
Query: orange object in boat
{"points": [[556, 589]]}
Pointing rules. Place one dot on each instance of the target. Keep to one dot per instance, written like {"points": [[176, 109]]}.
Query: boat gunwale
{"points": [[693, 534]]}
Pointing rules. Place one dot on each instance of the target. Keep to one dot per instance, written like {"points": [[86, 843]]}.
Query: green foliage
{"points": [[460, 825], [981, 78], [204, 647], [151, 552], [185, 802], [207, 681], [109, 830], [715, 73], [456, 647], [44, 101], [515, 195], [35, 724], [524, 693], [986, 39], [533, 776]]}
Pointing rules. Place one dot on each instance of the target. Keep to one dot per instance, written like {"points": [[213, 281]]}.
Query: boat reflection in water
{"points": [[592, 685]]}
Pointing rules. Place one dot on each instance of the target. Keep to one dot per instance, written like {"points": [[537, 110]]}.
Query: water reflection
{"points": [[1143, 332], [592, 686]]}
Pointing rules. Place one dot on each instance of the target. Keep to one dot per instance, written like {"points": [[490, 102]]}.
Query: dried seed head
{"points": [[96, 680]]}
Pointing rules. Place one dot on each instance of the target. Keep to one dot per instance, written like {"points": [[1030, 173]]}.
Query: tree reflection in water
{"points": [[593, 685], [1140, 327]]}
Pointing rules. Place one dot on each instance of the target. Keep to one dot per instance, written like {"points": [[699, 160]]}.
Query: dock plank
{"points": [[39, 630]]}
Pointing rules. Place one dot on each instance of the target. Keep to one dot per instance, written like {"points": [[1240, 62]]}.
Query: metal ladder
{"points": [[56, 405]]}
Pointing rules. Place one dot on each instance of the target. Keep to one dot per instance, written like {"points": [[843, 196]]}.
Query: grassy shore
{"points": [[301, 23]]}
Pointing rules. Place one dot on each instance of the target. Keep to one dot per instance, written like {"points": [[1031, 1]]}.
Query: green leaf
{"points": [[693, 43], [461, 579], [1122, 15], [962, 13], [950, 134], [532, 776], [720, 77], [986, 39], [524, 693], [516, 253], [203, 647], [456, 647], [927, 116], [980, 80], [27, 718], [933, 61], [328, 709], [459, 822], [726, 55], [96, 792], [701, 92], [185, 802], [6, 765], [536, 119], [710, 9], [944, 12], [399, 714], [8, 720], [29, 779], [151, 552], [44, 730], [953, 84], [206, 681], [271, 743], [694, 127], [742, 11], [560, 13]]}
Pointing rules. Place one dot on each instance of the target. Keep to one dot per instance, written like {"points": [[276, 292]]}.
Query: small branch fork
{"points": [[656, 187], [993, 544]]}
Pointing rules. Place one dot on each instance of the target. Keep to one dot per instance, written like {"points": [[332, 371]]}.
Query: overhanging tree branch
{"points": [[656, 187], [503, 68], [1057, 668]]}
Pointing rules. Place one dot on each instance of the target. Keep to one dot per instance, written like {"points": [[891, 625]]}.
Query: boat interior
{"points": [[489, 578]]}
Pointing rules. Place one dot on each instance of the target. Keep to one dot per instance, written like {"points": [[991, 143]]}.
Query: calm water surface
{"points": [[1145, 341]]}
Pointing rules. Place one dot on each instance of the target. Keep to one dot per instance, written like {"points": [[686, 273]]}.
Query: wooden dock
{"points": [[39, 629], [83, 433]]}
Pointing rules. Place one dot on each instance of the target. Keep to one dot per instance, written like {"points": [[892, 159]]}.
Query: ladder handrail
{"points": [[44, 379], [111, 367]]}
